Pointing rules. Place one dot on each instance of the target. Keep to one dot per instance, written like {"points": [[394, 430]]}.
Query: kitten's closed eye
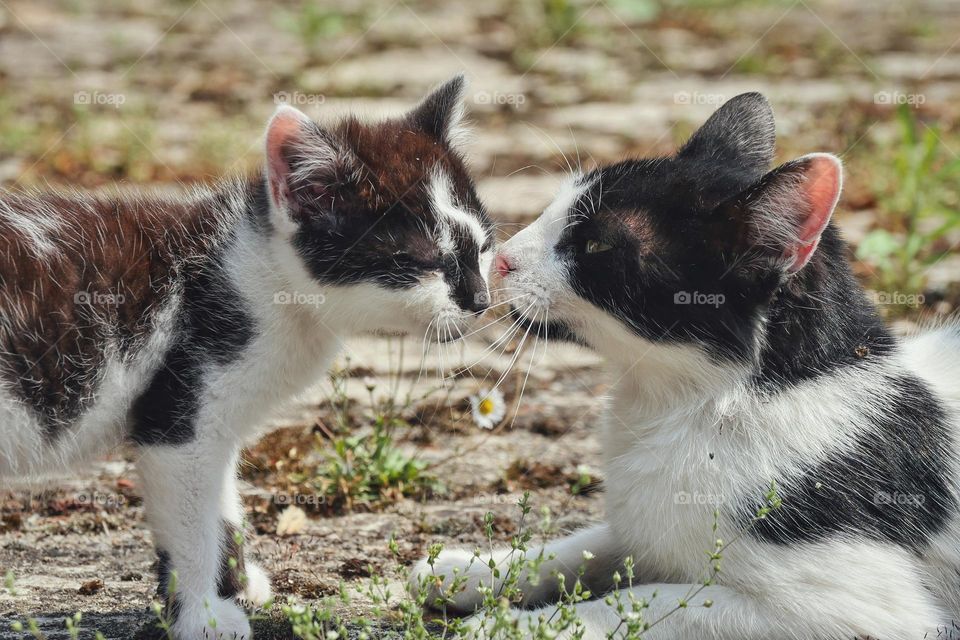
{"points": [[426, 262]]}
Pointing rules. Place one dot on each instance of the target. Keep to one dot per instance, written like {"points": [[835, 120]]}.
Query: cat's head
{"points": [[677, 252], [381, 219]]}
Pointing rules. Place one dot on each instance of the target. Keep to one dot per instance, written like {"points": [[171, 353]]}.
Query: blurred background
{"points": [[167, 93]]}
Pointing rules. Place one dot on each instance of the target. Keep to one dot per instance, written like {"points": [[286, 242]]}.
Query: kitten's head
{"points": [[382, 218], [684, 251]]}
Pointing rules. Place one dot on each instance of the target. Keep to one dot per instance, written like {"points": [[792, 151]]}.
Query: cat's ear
{"points": [[741, 133], [305, 164], [441, 113], [784, 214]]}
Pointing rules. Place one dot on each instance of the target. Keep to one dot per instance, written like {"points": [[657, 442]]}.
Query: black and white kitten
{"points": [[743, 351], [180, 325]]}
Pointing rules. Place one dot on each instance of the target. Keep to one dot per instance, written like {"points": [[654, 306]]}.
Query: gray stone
{"points": [[415, 70], [613, 117], [913, 65]]}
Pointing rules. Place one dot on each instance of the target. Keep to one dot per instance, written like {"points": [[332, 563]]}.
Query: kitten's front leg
{"points": [[184, 495], [560, 557], [248, 581]]}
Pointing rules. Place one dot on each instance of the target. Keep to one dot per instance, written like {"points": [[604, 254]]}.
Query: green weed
{"points": [[314, 24], [919, 201], [362, 464]]}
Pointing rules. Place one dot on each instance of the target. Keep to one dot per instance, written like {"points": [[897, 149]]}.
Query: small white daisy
{"points": [[488, 408]]}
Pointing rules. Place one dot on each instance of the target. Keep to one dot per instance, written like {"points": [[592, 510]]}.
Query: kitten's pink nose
{"points": [[503, 265]]}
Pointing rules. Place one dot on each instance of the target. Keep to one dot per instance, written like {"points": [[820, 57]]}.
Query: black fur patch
{"points": [[552, 330], [171, 606], [164, 567], [213, 327], [892, 487], [229, 582], [664, 277], [820, 321]]}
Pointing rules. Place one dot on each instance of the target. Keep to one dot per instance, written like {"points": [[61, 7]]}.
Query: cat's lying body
{"points": [[181, 325], [743, 352]]}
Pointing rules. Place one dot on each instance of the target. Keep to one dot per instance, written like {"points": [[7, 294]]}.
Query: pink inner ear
{"points": [[284, 128], [820, 190]]}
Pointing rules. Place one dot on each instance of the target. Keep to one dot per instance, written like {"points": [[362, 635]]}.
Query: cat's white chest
{"points": [[273, 371], [666, 487]]}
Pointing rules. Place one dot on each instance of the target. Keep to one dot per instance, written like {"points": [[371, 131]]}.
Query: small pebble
{"points": [[91, 587]]}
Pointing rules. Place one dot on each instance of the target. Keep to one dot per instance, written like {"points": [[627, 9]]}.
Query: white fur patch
{"points": [[458, 133], [450, 215], [540, 282], [39, 226]]}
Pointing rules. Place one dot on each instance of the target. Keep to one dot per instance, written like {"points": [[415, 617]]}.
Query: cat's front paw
{"points": [[215, 619], [453, 581], [257, 590]]}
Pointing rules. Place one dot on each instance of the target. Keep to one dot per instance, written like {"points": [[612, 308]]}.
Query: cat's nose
{"points": [[503, 265], [480, 302]]}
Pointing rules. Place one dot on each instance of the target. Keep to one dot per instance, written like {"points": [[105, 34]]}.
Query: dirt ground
{"points": [[165, 93], [88, 527]]}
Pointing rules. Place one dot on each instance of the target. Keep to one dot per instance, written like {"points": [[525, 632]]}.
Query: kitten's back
{"points": [[85, 283]]}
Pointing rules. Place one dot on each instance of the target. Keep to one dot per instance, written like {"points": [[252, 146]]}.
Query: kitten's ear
{"points": [[304, 163], [740, 133], [784, 214], [441, 113]]}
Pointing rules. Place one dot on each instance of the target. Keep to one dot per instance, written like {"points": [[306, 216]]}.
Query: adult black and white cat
{"points": [[743, 351], [181, 324]]}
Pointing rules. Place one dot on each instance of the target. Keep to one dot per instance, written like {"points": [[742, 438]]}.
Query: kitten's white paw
{"points": [[437, 581], [219, 620], [257, 590]]}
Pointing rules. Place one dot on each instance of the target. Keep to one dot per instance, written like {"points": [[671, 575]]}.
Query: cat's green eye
{"points": [[595, 246]]}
